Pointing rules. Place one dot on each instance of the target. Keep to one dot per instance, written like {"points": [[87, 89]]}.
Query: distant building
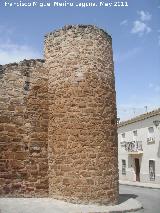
{"points": [[139, 148]]}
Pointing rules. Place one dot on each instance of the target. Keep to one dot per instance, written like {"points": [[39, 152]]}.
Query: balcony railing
{"points": [[134, 147], [150, 140]]}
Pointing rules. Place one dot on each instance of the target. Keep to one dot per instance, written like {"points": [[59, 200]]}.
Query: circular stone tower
{"points": [[82, 133]]}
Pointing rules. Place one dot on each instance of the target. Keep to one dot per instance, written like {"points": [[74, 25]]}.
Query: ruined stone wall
{"points": [[23, 129], [82, 137]]}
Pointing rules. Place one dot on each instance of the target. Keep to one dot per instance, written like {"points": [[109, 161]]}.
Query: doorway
{"points": [[137, 168]]}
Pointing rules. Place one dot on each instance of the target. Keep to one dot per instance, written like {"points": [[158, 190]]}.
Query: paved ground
{"points": [[48, 205], [150, 198]]}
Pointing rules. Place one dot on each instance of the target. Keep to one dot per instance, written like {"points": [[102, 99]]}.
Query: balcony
{"points": [[150, 140], [134, 147]]}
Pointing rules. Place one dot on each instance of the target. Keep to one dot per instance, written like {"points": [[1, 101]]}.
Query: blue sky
{"points": [[135, 31]]}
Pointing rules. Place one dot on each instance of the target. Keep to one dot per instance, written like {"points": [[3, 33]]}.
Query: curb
{"points": [[128, 207], [123, 211], [142, 186], [118, 211]]}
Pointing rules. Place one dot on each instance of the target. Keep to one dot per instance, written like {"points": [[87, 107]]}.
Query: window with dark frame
{"points": [[123, 135], [135, 133], [123, 167]]}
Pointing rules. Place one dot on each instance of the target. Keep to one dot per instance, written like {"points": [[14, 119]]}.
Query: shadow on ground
{"points": [[125, 197]]}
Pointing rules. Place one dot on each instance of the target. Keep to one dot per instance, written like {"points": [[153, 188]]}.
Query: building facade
{"points": [[139, 148]]}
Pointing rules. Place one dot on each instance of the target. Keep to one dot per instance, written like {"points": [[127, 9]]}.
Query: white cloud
{"points": [[155, 87], [124, 22], [11, 51], [144, 16], [6, 33], [140, 28], [120, 57], [150, 85]]}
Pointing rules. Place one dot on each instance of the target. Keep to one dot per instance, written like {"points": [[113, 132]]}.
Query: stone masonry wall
{"points": [[23, 129], [58, 133], [82, 131]]}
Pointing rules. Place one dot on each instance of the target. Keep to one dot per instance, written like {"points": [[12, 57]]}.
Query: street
{"points": [[150, 198]]}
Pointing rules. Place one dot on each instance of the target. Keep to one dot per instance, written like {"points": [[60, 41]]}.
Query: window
{"points": [[150, 138], [135, 133], [152, 170], [123, 167], [122, 136], [123, 144], [151, 130]]}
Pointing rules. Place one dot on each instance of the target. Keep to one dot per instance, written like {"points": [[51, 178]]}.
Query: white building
{"points": [[139, 148]]}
